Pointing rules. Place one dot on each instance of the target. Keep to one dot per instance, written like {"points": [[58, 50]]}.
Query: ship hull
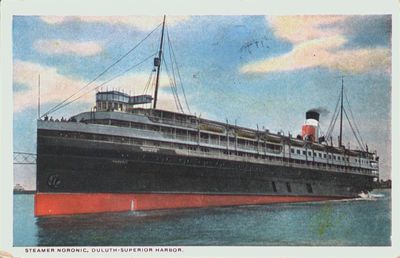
{"points": [[52, 204], [81, 176]]}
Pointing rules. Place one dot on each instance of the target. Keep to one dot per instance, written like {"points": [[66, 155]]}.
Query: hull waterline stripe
{"points": [[50, 204]]}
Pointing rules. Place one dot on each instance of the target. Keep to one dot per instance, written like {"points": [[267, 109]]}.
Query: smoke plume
{"points": [[321, 110]]}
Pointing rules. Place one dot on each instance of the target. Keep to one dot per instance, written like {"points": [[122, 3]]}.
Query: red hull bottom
{"points": [[49, 204]]}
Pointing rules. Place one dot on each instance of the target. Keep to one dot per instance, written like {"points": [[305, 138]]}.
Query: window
{"points": [[292, 150], [289, 188], [324, 156], [304, 152], [309, 153], [298, 151], [274, 186], [309, 188], [204, 136], [320, 155], [204, 149]]}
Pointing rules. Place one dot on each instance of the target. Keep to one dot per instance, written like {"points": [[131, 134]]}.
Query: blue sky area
{"points": [[255, 70]]}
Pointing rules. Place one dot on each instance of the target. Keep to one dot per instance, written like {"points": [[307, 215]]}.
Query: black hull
{"points": [[84, 166]]}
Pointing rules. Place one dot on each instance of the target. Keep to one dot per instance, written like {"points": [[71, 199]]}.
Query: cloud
{"points": [[166, 101], [319, 41], [61, 47], [143, 23], [323, 53], [56, 87], [297, 29], [369, 30], [53, 19], [363, 60]]}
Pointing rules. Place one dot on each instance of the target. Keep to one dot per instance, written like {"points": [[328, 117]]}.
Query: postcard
{"points": [[248, 129]]}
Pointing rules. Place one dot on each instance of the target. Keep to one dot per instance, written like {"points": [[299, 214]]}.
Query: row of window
{"points": [[112, 96], [317, 154], [206, 150], [176, 133], [187, 135], [248, 166], [324, 155], [103, 106]]}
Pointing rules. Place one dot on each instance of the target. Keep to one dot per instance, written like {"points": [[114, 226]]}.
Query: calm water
{"points": [[344, 223]]}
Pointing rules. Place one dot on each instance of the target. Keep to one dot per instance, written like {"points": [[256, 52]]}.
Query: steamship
{"points": [[120, 156]]}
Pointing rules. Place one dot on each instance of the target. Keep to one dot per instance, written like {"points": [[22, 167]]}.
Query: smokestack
{"points": [[309, 131], [311, 114]]}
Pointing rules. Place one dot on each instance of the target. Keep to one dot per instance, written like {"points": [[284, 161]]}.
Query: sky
{"points": [[255, 71]]}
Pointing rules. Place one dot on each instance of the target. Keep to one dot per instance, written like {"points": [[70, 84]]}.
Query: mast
{"points": [[341, 116], [157, 63], [39, 96]]}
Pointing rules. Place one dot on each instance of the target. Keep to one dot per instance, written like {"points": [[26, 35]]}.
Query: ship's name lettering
{"points": [[103, 250], [121, 162], [149, 149], [58, 250]]}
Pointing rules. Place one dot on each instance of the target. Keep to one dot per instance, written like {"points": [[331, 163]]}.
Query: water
{"points": [[359, 222]]}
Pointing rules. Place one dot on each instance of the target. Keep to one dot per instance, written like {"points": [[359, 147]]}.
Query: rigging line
{"points": [[333, 116], [171, 60], [173, 88], [127, 70], [151, 78], [148, 82], [150, 85], [334, 113], [354, 133], [102, 73], [320, 128], [172, 80], [173, 75], [329, 134], [333, 123], [352, 129], [352, 116], [172, 65], [102, 84], [179, 74]]}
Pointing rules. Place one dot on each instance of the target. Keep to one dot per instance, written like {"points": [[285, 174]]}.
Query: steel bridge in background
{"points": [[24, 158]]}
